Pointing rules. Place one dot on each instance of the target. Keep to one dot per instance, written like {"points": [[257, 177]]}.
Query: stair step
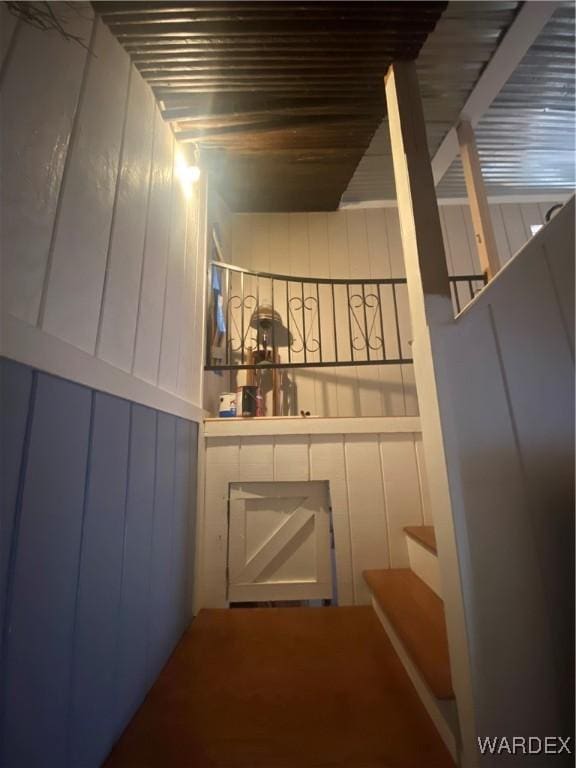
{"points": [[417, 616], [421, 544], [423, 534]]}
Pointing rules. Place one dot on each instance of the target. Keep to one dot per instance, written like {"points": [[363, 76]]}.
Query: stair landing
{"points": [[282, 687]]}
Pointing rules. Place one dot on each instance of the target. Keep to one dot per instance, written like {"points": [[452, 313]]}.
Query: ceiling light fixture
{"points": [[188, 175]]}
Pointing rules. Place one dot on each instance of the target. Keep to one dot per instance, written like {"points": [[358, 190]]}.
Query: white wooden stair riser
{"points": [[424, 564]]}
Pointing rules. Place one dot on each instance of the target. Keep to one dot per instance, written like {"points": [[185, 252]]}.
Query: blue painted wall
{"points": [[96, 557]]}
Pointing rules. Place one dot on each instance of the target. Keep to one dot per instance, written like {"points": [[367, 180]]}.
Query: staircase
{"points": [[409, 605]]}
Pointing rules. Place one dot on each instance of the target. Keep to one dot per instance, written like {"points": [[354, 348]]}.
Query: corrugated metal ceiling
{"points": [[526, 140], [282, 98], [449, 65]]}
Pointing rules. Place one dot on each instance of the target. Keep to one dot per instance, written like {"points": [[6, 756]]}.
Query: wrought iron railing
{"points": [[259, 318]]}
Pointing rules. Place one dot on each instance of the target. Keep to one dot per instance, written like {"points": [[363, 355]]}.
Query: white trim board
{"points": [[297, 425], [29, 345]]}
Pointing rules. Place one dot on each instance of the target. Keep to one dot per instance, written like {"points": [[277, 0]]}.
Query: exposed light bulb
{"points": [[186, 174], [191, 174]]}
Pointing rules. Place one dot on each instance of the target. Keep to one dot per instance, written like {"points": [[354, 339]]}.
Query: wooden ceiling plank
{"points": [[256, 65], [165, 9], [281, 98]]}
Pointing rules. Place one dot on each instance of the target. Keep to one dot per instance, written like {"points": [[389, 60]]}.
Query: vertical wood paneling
{"points": [[256, 459], [347, 380], [510, 463], [222, 463], [279, 241], [196, 475], [362, 243], [474, 258], [291, 460], [86, 208], [191, 303], [162, 543], [151, 304], [85, 639], [195, 332], [390, 376], [401, 493], [324, 390], [457, 242], [71, 303], [174, 293], [260, 242], [327, 462], [368, 379], [135, 616], [181, 544], [502, 243], [539, 378], [33, 153], [374, 492], [559, 249], [242, 241], [367, 510], [15, 392], [43, 593], [299, 261], [531, 215], [514, 225], [122, 285], [92, 725], [398, 270], [501, 540]]}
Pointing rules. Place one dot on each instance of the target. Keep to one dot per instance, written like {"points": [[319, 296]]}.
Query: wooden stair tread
{"points": [[423, 534], [417, 615]]}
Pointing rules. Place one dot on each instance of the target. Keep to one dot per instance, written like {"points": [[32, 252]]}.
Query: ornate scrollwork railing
{"points": [[259, 318]]}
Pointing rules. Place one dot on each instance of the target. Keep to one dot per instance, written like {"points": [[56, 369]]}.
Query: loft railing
{"points": [[259, 318]]}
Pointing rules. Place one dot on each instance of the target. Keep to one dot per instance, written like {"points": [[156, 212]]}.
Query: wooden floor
{"points": [[282, 688]]}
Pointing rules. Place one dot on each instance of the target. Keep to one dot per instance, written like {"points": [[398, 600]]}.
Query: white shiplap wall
{"points": [[102, 249], [376, 487], [363, 242], [506, 400]]}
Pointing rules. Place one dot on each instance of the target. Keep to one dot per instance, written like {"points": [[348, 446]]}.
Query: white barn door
{"points": [[279, 542]]}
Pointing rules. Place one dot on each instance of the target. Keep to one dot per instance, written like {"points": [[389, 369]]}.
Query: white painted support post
{"points": [[483, 228], [432, 318]]}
